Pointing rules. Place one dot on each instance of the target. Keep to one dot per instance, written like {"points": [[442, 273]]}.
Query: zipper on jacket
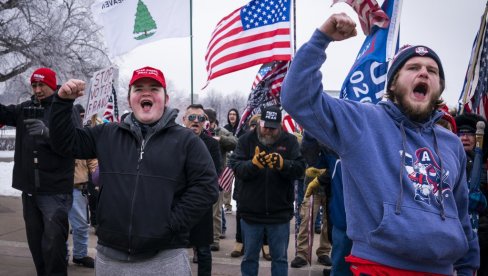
{"points": [[141, 155]]}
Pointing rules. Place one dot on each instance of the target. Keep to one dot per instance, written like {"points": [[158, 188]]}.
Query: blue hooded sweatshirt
{"points": [[405, 189]]}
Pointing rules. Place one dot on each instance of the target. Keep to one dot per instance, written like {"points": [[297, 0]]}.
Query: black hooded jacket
{"points": [[56, 172], [153, 190], [267, 195]]}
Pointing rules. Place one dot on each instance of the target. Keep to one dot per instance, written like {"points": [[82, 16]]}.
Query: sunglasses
{"points": [[469, 134], [200, 118]]}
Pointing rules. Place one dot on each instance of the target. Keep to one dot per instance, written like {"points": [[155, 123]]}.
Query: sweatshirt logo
{"points": [[425, 174]]}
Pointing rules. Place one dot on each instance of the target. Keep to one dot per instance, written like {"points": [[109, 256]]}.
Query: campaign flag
{"points": [[366, 80], [266, 91], [226, 179], [108, 114], [369, 12], [130, 23], [256, 33], [473, 98]]}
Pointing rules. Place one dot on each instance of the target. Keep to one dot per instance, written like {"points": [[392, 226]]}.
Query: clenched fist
{"points": [[72, 89], [339, 27]]}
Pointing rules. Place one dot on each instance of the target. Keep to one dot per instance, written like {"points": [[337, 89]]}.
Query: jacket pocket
{"points": [[418, 234]]}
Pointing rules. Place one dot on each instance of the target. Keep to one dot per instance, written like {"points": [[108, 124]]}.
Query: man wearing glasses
{"points": [[201, 236]]}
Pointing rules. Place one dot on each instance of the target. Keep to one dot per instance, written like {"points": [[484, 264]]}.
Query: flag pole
{"points": [[474, 60], [191, 51], [294, 27], [393, 34]]}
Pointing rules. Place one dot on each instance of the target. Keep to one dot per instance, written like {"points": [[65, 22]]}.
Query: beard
{"points": [[418, 112], [267, 139]]}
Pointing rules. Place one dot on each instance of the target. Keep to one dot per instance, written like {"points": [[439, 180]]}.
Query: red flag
{"points": [[226, 179], [369, 12], [256, 33]]}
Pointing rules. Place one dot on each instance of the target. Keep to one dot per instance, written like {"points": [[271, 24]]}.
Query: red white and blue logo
{"points": [[426, 175]]}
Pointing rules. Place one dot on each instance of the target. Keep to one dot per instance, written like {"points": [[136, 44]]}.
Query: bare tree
{"points": [[59, 34]]}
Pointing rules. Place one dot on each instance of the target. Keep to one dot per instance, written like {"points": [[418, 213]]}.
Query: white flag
{"points": [[130, 23]]}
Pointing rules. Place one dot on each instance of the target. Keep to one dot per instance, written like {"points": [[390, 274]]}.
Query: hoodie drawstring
{"points": [[441, 199], [402, 167]]}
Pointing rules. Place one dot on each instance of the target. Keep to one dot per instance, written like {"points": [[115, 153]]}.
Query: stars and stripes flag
{"points": [[256, 33], [366, 81], [290, 125], [473, 98], [108, 114], [369, 12], [226, 179], [265, 90]]}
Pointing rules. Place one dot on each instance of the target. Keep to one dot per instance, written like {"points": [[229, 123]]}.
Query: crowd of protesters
{"points": [[400, 194]]}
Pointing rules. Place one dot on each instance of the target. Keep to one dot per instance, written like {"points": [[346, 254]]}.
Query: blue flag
{"points": [[367, 78]]}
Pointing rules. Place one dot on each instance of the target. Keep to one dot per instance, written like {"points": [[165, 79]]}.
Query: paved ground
{"points": [[15, 258]]}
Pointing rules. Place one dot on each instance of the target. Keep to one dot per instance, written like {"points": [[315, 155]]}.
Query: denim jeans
{"points": [[46, 225], [340, 250], [204, 260], [224, 221], [278, 238], [79, 224]]}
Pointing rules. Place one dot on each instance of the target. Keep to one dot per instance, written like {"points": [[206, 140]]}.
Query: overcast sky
{"points": [[447, 26]]}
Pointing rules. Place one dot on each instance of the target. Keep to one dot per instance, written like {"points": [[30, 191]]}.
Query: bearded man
{"points": [[394, 232], [267, 160]]}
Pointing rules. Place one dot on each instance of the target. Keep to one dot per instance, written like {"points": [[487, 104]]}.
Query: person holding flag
{"points": [[404, 176]]}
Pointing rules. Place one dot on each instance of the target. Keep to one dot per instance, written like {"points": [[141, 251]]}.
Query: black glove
{"points": [[36, 127]]}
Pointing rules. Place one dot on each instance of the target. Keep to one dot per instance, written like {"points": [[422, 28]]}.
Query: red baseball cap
{"points": [[46, 76], [148, 72]]}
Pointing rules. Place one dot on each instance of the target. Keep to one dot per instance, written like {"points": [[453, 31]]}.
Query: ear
{"points": [[166, 100]]}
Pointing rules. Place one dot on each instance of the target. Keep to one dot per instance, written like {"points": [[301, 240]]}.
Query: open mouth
{"points": [[146, 105], [420, 91]]}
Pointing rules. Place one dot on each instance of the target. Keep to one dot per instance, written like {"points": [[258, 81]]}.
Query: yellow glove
{"points": [[312, 187], [258, 159], [274, 160], [299, 137], [313, 172]]}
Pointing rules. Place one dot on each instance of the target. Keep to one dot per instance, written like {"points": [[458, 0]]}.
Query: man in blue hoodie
{"points": [[404, 177]]}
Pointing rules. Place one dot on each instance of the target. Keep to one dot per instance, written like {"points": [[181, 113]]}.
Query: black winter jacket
{"points": [[56, 172], [152, 190], [266, 195], [202, 233]]}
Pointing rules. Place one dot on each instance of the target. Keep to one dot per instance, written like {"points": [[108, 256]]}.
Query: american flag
{"points": [[366, 80], [266, 91], [290, 125], [226, 179], [256, 33], [474, 98], [369, 12], [108, 114]]}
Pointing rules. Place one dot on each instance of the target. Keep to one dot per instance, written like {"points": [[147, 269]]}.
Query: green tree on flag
{"points": [[144, 24]]}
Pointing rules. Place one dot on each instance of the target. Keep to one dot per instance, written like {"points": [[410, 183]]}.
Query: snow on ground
{"points": [[6, 169], [6, 153]]}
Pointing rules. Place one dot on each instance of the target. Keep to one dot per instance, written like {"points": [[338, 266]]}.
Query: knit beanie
{"points": [[407, 52], [46, 76]]}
